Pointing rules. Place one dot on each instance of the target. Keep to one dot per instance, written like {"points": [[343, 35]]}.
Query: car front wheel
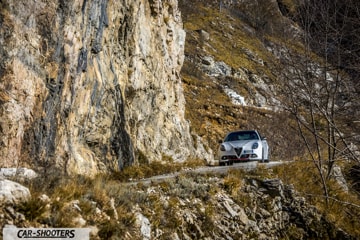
{"points": [[268, 158]]}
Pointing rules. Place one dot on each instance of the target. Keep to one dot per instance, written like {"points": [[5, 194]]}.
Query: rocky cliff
{"points": [[88, 86]]}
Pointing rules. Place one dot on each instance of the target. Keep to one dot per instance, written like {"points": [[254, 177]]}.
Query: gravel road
{"points": [[212, 169]]}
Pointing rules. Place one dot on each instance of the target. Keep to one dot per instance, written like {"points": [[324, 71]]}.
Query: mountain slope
{"points": [[229, 77], [98, 89]]}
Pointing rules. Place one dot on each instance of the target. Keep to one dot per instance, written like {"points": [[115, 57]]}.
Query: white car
{"points": [[243, 146]]}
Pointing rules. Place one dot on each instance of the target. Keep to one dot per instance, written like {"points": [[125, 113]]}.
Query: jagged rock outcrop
{"points": [[92, 85], [188, 207]]}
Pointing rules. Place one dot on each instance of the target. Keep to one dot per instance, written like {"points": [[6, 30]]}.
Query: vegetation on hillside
{"points": [[209, 109], [342, 207], [308, 51], [178, 204], [111, 202]]}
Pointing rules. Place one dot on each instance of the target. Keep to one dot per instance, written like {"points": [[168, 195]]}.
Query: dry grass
{"points": [[167, 165], [224, 29], [163, 202], [207, 106], [343, 208], [291, 5], [233, 182], [71, 197], [33, 209]]}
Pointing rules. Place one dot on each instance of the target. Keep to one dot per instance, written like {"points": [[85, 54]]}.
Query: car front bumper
{"points": [[243, 157]]}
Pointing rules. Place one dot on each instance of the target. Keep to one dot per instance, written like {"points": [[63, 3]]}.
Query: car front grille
{"points": [[238, 151]]}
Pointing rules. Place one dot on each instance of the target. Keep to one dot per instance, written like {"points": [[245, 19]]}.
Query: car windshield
{"points": [[243, 135]]}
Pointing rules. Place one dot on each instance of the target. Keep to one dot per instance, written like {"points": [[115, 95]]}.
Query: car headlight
{"points": [[255, 146], [222, 148]]}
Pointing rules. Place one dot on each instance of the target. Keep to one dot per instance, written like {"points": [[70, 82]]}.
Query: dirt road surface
{"points": [[212, 169]]}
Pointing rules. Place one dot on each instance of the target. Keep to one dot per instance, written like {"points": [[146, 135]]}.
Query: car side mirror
{"points": [[220, 141], [263, 138]]}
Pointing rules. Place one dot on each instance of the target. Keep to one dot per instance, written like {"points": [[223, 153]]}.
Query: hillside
{"points": [[241, 62], [96, 96], [228, 78]]}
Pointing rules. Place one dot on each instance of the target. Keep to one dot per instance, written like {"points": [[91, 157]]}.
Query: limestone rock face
{"points": [[88, 86], [12, 192]]}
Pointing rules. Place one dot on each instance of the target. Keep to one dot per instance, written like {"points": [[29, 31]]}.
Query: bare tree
{"points": [[318, 82]]}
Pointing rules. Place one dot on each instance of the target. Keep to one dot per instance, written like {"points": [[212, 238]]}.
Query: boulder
{"points": [[144, 225], [12, 192], [22, 173]]}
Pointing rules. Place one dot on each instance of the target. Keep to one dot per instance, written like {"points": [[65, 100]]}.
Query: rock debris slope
{"points": [[88, 86]]}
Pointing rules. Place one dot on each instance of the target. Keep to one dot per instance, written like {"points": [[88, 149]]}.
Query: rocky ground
{"points": [[192, 205]]}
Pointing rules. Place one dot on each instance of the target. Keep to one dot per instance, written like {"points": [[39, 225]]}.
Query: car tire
{"points": [[268, 158]]}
